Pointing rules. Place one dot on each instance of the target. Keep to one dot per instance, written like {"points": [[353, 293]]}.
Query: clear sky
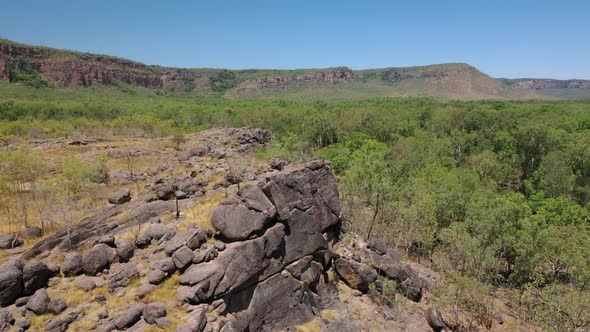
{"points": [[504, 38]]}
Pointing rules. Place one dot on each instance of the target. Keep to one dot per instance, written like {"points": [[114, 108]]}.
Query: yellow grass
{"points": [[311, 326], [201, 212], [329, 315]]}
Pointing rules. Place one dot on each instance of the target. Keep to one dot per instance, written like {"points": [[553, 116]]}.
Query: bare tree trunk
{"points": [[177, 210], [375, 214]]}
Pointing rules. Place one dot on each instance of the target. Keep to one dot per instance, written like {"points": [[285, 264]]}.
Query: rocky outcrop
{"points": [[541, 84], [272, 261], [9, 241], [121, 196], [332, 76], [11, 281]]}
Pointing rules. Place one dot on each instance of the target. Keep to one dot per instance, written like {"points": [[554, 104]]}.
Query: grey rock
{"points": [[131, 315], [121, 196], [245, 214], [165, 265], [72, 264], [239, 265], [196, 321], [109, 240], [199, 151], [57, 306], [200, 256], [104, 313], [125, 250], [197, 239], [410, 283], [85, 283], [140, 326], [176, 242], [143, 290], [163, 322], [379, 245], [153, 232], [273, 305], [435, 320], [35, 276], [307, 200], [220, 246], [156, 276], [23, 323], [298, 267], [153, 311], [121, 275], [11, 281], [357, 275], [32, 232], [22, 301], [39, 302], [97, 259], [9, 241], [61, 322], [182, 257], [6, 320], [277, 163]]}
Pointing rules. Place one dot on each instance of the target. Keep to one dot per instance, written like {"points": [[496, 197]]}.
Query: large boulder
{"points": [[39, 302], [9, 241], [121, 196], [153, 311], [239, 265], [273, 305], [35, 276], [32, 232], [195, 322], [244, 214], [97, 259], [72, 265], [153, 232], [56, 306], [410, 283], [182, 257], [11, 281], [130, 316], [61, 322], [125, 250], [435, 320], [6, 319], [307, 201], [357, 275], [121, 275]]}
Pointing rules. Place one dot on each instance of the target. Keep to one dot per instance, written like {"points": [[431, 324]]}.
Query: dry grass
{"points": [[200, 213], [329, 315], [38, 322], [166, 293], [311, 326], [72, 295]]}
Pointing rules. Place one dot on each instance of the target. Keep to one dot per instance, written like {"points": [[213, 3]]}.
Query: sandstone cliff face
{"points": [[539, 84], [70, 68], [65, 68], [335, 75]]}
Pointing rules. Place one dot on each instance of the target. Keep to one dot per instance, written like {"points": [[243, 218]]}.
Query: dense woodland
{"points": [[496, 194]]}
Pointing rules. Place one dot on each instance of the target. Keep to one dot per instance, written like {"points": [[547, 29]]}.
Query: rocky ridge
{"points": [[63, 68], [276, 257]]}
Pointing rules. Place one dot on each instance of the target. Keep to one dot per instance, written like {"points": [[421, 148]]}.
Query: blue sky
{"points": [[504, 38]]}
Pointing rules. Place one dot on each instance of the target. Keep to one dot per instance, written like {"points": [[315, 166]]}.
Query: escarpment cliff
{"points": [[42, 66]]}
